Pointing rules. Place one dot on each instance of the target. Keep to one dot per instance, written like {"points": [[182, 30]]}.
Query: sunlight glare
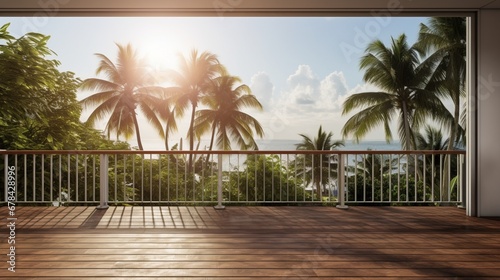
{"points": [[159, 54]]}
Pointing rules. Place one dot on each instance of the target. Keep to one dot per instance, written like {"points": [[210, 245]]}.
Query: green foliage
{"points": [[318, 169], [39, 105], [224, 117], [405, 94], [265, 179], [395, 188]]}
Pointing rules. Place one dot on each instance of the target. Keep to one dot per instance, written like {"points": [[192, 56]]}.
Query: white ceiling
{"points": [[229, 6]]}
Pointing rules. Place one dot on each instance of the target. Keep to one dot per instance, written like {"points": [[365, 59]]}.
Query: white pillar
{"points": [[219, 205], [103, 183], [341, 183]]}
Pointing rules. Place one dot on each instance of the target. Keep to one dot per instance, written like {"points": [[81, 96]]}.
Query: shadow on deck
{"points": [[251, 243]]}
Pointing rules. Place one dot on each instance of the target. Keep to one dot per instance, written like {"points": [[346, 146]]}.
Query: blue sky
{"points": [[300, 68]]}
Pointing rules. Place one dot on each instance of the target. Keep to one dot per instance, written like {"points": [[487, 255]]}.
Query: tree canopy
{"points": [[39, 105]]}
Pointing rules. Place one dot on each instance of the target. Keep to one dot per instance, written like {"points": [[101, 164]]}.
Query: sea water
{"points": [[291, 145]]}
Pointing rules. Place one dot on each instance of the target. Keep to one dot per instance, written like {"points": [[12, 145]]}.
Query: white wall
{"points": [[488, 101]]}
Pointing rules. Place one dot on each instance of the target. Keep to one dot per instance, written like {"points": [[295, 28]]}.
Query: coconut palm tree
{"points": [[224, 117], [372, 165], [191, 83], [432, 139], [396, 72], [436, 166], [443, 41], [318, 169], [130, 84]]}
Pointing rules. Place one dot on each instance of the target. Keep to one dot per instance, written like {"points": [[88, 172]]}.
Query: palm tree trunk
{"points": [[408, 142], [137, 132], [451, 144], [456, 119], [319, 191], [166, 137], [191, 139], [211, 145]]}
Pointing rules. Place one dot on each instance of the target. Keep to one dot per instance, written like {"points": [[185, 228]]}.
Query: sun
{"points": [[159, 54]]}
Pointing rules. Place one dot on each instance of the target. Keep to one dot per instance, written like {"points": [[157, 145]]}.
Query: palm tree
{"points": [[191, 83], [397, 73], [318, 169], [445, 39], [224, 116], [432, 139], [129, 85], [372, 165]]}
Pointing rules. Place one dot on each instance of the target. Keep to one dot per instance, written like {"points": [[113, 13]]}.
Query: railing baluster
{"points": [[449, 178], [416, 177], [264, 161], [407, 179], [42, 192], [272, 177], [355, 179], [433, 165], [150, 177], [373, 178], [125, 185], [51, 177], [142, 179], [25, 178], [424, 168], [238, 177], [381, 177], [219, 205], [346, 178], [168, 178], [159, 178], [186, 169], [341, 180], [104, 181], [115, 175], [390, 177], [399, 178], [85, 178], [441, 179], [463, 194], [69, 177], [364, 176]]}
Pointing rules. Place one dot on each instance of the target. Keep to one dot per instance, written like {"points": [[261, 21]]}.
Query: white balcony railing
{"points": [[230, 177]]}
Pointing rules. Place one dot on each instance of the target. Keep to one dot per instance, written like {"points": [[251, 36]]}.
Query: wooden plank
{"points": [[253, 243]]}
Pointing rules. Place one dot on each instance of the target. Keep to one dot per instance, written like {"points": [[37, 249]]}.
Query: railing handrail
{"points": [[232, 152]]}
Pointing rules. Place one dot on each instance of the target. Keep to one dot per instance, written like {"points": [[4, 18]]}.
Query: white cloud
{"points": [[306, 102], [307, 94], [263, 89], [302, 87], [333, 90]]}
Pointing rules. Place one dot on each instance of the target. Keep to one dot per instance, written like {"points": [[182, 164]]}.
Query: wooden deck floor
{"points": [[251, 243]]}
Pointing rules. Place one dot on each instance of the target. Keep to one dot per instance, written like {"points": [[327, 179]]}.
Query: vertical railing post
{"points": [[6, 175], [103, 183], [341, 183], [219, 205], [463, 182]]}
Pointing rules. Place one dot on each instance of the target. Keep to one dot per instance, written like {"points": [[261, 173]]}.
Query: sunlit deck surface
{"points": [[251, 243]]}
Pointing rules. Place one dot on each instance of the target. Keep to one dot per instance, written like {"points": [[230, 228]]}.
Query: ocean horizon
{"points": [[290, 145]]}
